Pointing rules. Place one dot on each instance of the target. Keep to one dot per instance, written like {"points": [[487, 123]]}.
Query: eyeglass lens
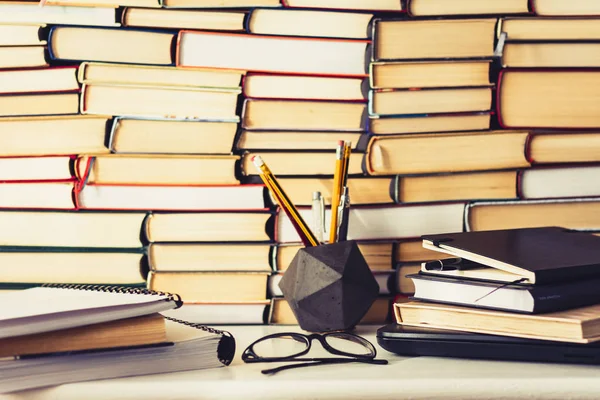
{"points": [[349, 344], [281, 346]]}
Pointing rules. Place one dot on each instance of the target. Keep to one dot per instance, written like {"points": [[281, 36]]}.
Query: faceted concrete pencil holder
{"points": [[329, 287]]}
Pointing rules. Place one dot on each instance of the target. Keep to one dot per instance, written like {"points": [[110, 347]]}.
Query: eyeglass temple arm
{"points": [[316, 362]]}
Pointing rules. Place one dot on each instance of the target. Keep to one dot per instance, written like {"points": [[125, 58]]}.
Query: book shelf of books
{"points": [[127, 129]]}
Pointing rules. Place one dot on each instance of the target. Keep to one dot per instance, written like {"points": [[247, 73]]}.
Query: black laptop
{"points": [[417, 341]]}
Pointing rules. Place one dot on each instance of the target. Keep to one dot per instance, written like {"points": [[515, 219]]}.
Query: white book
{"points": [[32, 13], [384, 222]]}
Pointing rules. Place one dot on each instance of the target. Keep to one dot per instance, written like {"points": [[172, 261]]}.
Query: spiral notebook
{"points": [[188, 346]]}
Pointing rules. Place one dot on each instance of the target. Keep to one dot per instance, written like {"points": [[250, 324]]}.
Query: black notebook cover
{"points": [[552, 254]]}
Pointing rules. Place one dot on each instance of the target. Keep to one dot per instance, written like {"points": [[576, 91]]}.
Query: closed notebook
{"points": [[534, 299], [46, 309], [532, 255]]}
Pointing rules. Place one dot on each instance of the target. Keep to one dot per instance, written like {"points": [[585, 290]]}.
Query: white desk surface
{"points": [[404, 377]]}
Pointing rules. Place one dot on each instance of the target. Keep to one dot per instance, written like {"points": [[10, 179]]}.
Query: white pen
{"points": [[318, 210]]}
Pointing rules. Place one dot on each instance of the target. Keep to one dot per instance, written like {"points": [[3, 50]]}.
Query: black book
{"points": [[514, 297], [530, 255]]}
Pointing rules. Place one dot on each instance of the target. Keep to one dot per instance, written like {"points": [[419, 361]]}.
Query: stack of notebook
{"points": [[539, 283], [70, 333]]}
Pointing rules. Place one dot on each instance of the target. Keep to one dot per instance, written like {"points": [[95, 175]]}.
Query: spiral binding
{"points": [[170, 297], [117, 289]]}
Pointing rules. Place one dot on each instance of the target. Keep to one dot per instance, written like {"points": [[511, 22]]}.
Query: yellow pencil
{"points": [[306, 235], [337, 190]]}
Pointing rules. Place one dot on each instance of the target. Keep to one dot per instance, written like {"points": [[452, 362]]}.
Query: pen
{"points": [[337, 188], [344, 215], [306, 235], [451, 264], [318, 210]]}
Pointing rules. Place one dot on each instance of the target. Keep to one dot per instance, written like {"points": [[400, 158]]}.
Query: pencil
{"points": [[306, 235], [336, 192]]}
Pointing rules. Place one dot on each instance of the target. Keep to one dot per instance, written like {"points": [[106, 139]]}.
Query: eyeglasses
{"points": [[291, 346]]}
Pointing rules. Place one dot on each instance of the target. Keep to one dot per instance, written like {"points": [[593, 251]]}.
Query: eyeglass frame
{"points": [[250, 356]]}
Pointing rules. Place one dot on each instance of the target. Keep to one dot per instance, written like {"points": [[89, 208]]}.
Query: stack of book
{"points": [[70, 333], [536, 283], [127, 129]]}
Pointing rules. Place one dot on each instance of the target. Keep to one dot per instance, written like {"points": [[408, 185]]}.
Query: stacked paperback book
{"points": [[127, 129], [537, 283]]}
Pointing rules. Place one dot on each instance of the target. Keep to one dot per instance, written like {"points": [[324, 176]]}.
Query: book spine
{"points": [[570, 295]]}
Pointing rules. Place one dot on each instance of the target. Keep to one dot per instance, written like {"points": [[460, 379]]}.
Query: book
{"points": [[71, 43], [381, 222], [70, 229], [34, 104], [190, 347], [295, 164], [309, 23], [39, 265], [211, 286], [39, 80], [138, 331], [47, 309], [160, 76], [183, 19], [300, 115], [446, 152], [558, 8], [434, 39], [411, 250], [485, 185], [576, 325], [37, 136], [429, 123], [171, 198], [159, 102], [280, 312], [379, 256], [22, 56], [569, 213], [220, 3], [421, 8], [35, 168], [541, 55], [229, 313], [279, 54], [533, 299], [404, 285], [56, 194], [525, 101], [374, 5], [365, 190], [13, 12], [563, 147], [196, 257], [209, 227], [427, 74], [532, 255], [571, 181], [106, 3], [556, 28], [296, 140], [168, 170], [429, 101], [135, 135], [383, 278], [264, 86], [21, 34]]}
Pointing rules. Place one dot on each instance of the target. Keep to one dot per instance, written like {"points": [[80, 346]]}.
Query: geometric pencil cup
{"points": [[329, 287]]}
